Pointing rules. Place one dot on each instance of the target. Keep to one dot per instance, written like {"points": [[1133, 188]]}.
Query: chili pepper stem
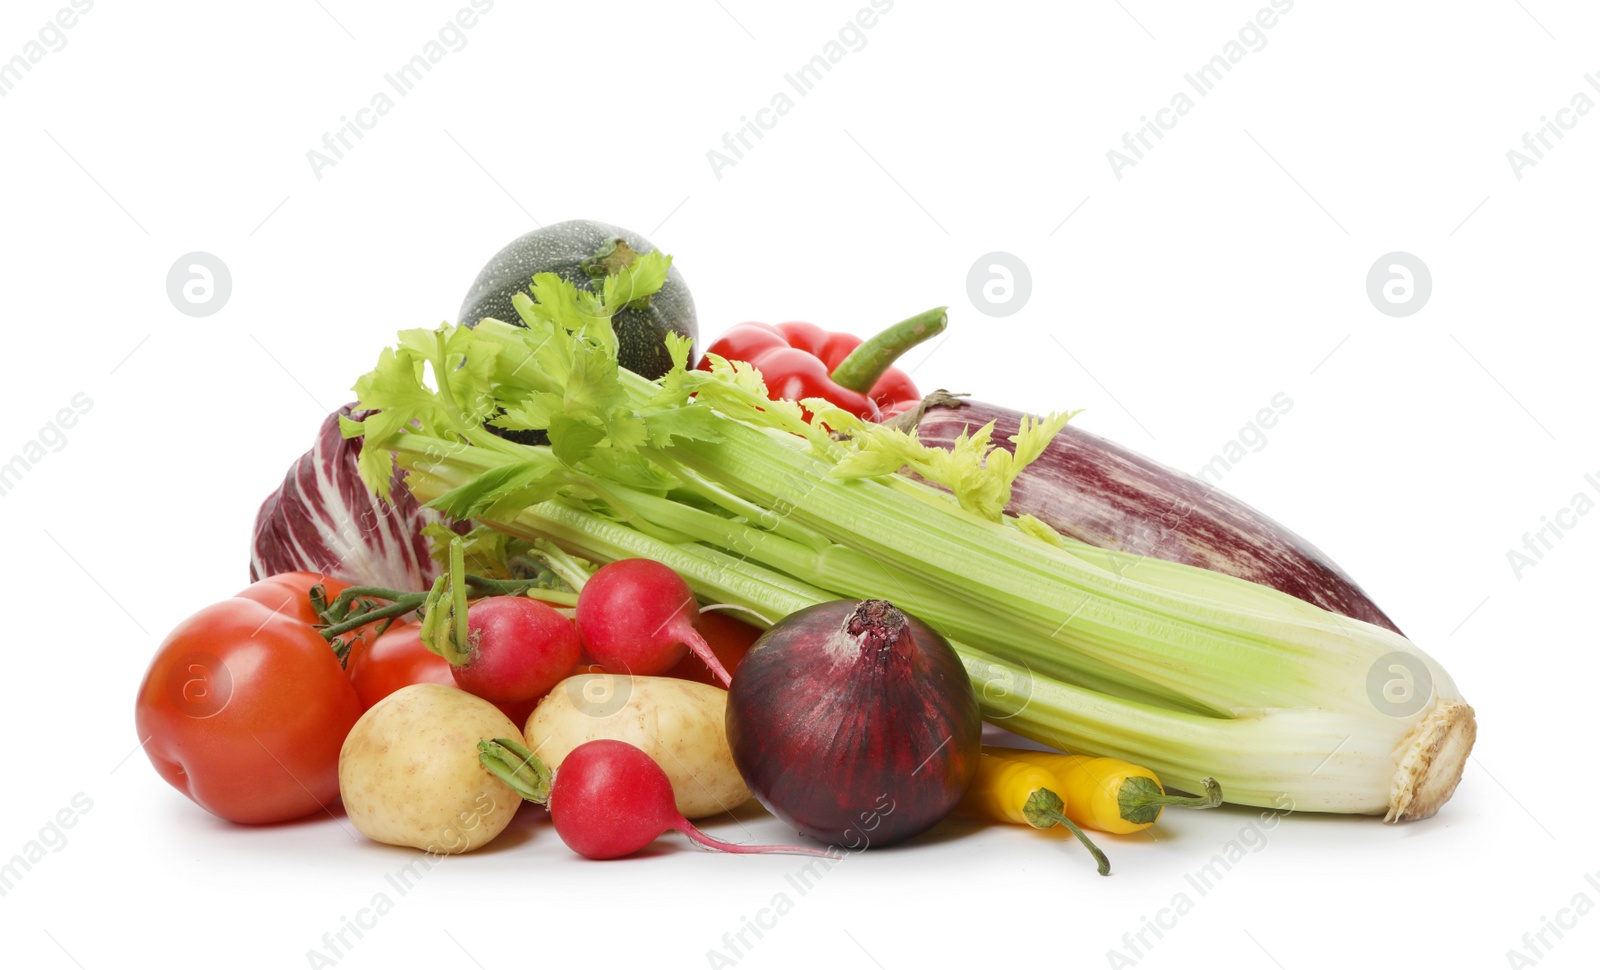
{"points": [[1140, 800], [868, 362], [1045, 809]]}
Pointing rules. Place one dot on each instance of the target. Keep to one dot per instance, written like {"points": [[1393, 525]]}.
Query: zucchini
{"points": [[582, 252]]}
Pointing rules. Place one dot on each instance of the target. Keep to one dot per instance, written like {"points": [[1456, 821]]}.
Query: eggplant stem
{"points": [[909, 421], [869, 361]]}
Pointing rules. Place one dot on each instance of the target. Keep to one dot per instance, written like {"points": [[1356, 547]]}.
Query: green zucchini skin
{"points": [[562, 249]]}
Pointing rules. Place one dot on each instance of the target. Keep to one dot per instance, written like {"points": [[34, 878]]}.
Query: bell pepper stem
{"points": [[868, 362]]}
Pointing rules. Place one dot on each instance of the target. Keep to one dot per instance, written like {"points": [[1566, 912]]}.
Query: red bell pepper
{"points": [[800, 360]]}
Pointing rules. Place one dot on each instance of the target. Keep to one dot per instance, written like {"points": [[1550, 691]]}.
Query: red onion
{"points": [[855, 723]]}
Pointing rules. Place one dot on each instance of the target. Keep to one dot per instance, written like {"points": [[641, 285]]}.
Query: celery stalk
{"points": [[1190, 672]]}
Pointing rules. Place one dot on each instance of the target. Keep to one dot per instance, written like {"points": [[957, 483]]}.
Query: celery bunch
{"points": [[776, 505]]}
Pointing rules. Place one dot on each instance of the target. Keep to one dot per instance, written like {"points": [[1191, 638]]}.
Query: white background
{"points": [[1225, 267]]}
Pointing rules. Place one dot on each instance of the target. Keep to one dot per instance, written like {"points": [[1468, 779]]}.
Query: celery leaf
{"points": [[635, 283]]}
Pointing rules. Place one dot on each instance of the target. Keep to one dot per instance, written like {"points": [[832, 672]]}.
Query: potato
{"points": [[409, 771], [679, 723]]}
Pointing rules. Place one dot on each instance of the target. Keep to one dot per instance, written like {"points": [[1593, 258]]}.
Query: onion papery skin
{"points": [[855, 723]]}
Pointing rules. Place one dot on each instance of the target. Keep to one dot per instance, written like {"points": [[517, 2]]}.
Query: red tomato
{"points": [[728, 638], [288, 593], [395, 660], [244, 709], [399, 659]]}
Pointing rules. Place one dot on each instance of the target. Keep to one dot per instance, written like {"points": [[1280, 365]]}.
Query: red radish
{"points": [[728, 638], [517, 649], [609, 800], [636, 616]]}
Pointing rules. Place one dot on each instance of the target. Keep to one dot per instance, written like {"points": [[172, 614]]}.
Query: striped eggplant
{"points": [[1101, 493], [323, 519]]}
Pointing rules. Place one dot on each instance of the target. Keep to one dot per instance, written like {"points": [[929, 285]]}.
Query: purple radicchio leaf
{"points": [[322, 519]]}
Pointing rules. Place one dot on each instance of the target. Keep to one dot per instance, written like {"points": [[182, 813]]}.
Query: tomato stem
{"points": [[868, 362], [399, 607], [340, 607], [341, 619]]}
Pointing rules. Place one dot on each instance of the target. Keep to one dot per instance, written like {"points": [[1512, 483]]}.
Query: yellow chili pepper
{"points": [[1108, 794], [1010, 791]]}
